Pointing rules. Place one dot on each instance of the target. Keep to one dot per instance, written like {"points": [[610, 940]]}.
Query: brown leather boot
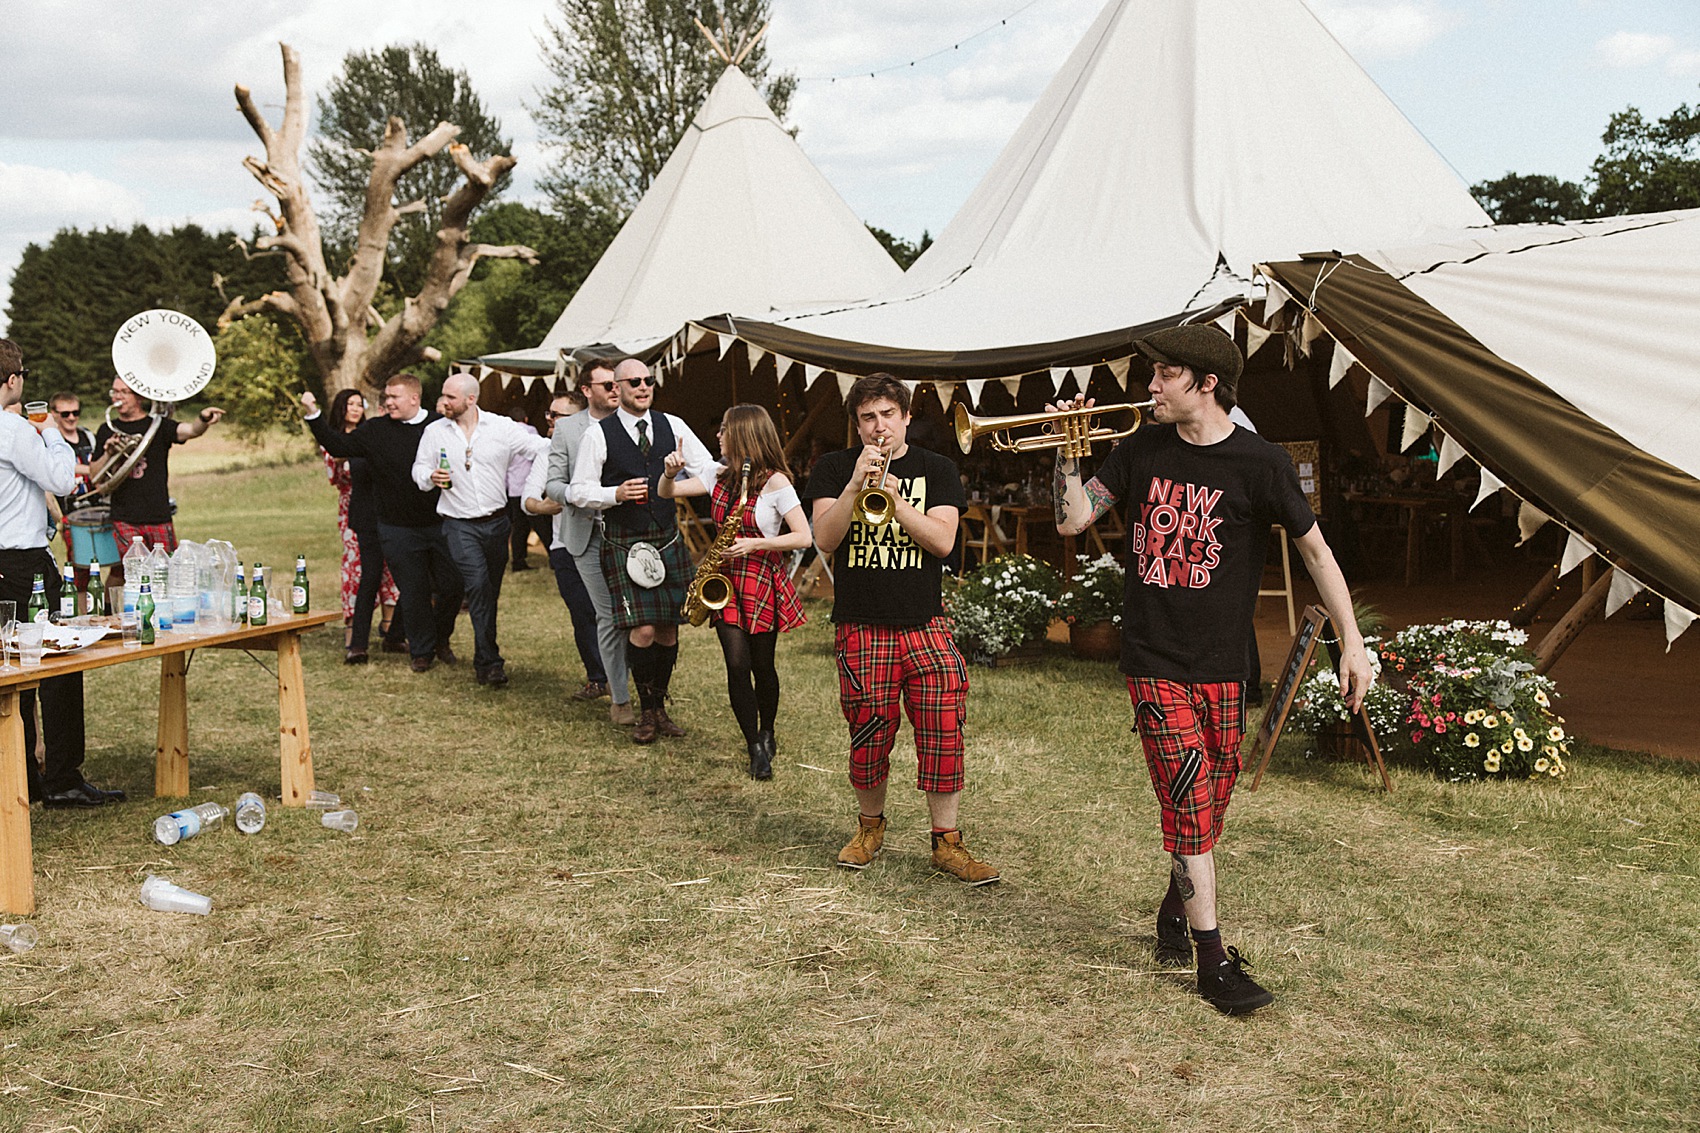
{"points": [[644, 733], [664, 724]]}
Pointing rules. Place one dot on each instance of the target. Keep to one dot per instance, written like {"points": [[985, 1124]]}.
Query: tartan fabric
{"points": [[153, 535], [876, 665], [635, 605], [763, 599], [1191, 734]]}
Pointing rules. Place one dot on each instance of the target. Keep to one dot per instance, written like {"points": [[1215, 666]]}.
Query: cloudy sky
{"points": [[121, 112]]}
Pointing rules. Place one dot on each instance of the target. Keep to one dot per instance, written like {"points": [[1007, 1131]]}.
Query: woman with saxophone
{"points": [[762, 601]]}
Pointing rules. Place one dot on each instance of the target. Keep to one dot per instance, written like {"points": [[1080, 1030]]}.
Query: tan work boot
{"points": [[951, 856], [665, 726], [866, 845], [622, 715]]}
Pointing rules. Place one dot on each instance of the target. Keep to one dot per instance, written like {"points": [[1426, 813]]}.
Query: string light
{"points": [[922, 59]]}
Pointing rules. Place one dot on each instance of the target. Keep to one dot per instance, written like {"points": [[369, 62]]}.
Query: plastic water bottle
{"points": [[250, 813], [159, 568], [170, 829], [18, 937], [343, 820], [135, 562], [183, 597]]}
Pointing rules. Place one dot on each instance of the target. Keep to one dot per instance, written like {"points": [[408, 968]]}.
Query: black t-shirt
{"points": [[145, 497], [880, 575], [1198, 519]]}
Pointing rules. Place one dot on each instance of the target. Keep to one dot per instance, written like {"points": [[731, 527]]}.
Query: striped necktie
{"points": [[643, 438]]}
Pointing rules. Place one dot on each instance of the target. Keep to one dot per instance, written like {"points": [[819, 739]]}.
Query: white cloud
{"points": [[1629, 49], [35, 200], [1373, 31]]}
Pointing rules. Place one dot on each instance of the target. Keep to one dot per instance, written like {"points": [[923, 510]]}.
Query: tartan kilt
{"points": [[763, 599], [633, 604]]}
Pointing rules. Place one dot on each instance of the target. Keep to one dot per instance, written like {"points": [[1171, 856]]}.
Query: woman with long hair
{"points": [[357, 520], [763, 601]]}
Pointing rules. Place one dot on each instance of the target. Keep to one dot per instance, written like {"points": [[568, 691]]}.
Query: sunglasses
{"points": [[67, 414], [469, 458], [605, 387], [551, 415], [20, 372], [636, 382]]}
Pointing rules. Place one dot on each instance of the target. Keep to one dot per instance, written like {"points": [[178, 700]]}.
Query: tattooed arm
{"points": [[1077, 505]]}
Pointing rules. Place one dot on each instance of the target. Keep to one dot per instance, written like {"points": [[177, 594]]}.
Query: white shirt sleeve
{"points": [[586, 490], [46, 460], [425, 457], [772, 508], [698, 462], [534, 484]]}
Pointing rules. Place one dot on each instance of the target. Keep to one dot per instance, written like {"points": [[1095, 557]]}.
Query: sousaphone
{"points": [[165, 356]]}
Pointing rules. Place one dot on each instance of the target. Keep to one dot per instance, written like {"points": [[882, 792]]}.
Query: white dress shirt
{"points": [[533, 490], [586, 489], [31, 463], [478, 464]]}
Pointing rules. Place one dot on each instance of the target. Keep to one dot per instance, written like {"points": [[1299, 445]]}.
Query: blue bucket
{"points": [[93, 544]]}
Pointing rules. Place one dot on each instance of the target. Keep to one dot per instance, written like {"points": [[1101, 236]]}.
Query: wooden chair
{"points": [[693, 530], [1286, 588], [981, 535]]}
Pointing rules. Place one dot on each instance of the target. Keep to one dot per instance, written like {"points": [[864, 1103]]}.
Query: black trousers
{"points": [[366, 598], [61, 698], [429, 583]]}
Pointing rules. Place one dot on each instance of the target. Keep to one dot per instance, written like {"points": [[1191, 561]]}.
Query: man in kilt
{"points": [[620, 462], [1201, 495]]}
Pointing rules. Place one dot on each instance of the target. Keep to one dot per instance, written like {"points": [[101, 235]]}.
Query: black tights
{"points": [[752, 682]]}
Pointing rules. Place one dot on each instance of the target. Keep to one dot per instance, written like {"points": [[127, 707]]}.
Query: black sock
{"points": [[1172, 905], [640, 659], [666, 656], [1209, 944]]}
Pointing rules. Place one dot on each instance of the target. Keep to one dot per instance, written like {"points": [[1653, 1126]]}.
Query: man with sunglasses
{"points": [[617, 471], [472, 498], [581, 530], [65, 414], [141, 505]]}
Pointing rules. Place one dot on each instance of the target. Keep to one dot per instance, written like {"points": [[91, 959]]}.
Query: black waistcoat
{"points": [[624, 462]]}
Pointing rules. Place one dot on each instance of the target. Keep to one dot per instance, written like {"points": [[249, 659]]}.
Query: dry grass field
{"points": [[539, 926]]}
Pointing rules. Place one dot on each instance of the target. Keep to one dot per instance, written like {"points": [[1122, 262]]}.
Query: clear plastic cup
{"points": [[323, 800], [163, 896], [343, 820], [31, 644], [18, 937]]}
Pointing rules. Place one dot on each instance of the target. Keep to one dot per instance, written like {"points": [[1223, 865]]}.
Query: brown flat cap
{"points": [[1203, 346]]}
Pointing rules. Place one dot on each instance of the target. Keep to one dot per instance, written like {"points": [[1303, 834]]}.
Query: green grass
{"points": [[505, 944]]}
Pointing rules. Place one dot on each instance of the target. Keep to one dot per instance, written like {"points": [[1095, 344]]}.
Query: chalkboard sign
{"points": [[1315, 627]]}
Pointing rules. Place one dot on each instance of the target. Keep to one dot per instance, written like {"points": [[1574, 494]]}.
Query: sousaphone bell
{"points": [[165, 356]]}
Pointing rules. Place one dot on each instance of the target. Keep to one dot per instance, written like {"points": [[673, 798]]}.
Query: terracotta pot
{"points": [[1100, 641]]}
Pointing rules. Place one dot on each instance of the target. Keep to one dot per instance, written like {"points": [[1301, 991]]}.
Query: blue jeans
{"points": [[429, 585], [583, 611], [480, 549]]}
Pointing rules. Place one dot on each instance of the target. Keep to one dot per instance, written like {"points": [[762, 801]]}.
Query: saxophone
{"points": [[711, 590]]}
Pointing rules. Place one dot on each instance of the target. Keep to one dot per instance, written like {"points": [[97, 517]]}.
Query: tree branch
{"points": [[256, 120], [242, 306]]}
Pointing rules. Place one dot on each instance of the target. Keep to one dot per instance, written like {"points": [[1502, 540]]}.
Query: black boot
{"points": [[761, 756]]}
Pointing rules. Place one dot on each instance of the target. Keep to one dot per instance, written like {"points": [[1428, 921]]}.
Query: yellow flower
{"points": [[1506, 747], [1490, 722], [1554, 770], [1555, 733], [1472, 740], [1491, 763], [1473, 715], [1525, 744], [1549, 751], [1542, 764], [1520, 733], [1541, 698]]}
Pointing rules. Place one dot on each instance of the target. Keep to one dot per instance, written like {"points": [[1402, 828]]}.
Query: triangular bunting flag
{"points": [[810, 373], [1623, 588], [1450, 451], [1378, 393], [1309, 332], [693, 335], [845, 381], [1273, 301], [1013, 385], [975, 387], [1677, 620], [1577, 551], [1416, 424], [1255, 337], [1119, 369], [1058, 374], [755, 352], [1343, 361], [1530, 519], [782, 365], [561, 364], [946, 391], [1227, 321], [1490, 484], [909, 384], [1082, 377], [726, 341]]}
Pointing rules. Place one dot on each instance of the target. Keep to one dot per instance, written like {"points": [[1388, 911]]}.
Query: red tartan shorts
{"points": [[1192, 735], [153, 535], [877, 665]]}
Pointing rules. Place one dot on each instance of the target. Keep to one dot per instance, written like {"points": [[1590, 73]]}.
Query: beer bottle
{"points": [[96, 592], [443, 465], [240, 598], [298, 592], [144, 612], [257, 597], [36, 611], [68, 591]]}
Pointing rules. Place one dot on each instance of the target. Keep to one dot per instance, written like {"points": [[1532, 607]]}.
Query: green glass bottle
{"points": [[68, 592], [37, 608], [298, 593], [443, 466], [257, 597], [95, 591], [144, 612], [239, 599]]}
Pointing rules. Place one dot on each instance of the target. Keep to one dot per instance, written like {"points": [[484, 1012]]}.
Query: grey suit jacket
{"points": [[577, 525]]}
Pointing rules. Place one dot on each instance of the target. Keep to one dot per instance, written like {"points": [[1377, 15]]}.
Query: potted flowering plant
{"points": [[1001, 605], [1319, 710], [1091, 604], [1477, 708]]}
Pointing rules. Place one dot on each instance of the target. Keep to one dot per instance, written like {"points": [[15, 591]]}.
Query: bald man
{"points": [[477, 447]]}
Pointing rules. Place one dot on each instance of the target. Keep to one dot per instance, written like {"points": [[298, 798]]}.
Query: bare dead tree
{"points": [[351, 344]]}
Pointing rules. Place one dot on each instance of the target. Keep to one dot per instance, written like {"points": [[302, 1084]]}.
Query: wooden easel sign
{"points": [[1314, 627]]}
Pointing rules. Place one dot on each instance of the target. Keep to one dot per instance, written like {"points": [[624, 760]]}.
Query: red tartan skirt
{"points": [[1191, 734], [763, 599]]}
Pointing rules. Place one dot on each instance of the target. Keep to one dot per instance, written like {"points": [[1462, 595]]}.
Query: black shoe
{"points": [[761, 756], [355, 657], [84, 794], [522, 566], [395, 646], [446, 654], [1174, 943], [423, 664], [496, 675], [1229, 989]]}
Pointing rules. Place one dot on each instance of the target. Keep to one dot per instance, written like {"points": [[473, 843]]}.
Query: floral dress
{"points": [[343, 480]]}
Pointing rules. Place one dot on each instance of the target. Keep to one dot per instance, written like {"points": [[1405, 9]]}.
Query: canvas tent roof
{"points": [[1564, 359], [1182, 142], [737, 220]]}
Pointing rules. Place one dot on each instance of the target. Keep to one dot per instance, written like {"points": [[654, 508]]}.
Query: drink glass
{"points": [[8, 627], [36, 411], [31, 643]]}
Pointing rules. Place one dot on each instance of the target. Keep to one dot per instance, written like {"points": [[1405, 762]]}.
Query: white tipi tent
{"points": [[738, 220], [1183, 142]]}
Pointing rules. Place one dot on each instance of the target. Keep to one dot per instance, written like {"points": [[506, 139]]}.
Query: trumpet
{"points": [[874, 503], [1074, 430]]}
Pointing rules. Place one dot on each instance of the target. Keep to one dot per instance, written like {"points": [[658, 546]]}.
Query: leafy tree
{"points": [[628, 77], [905, 252], [262, 369], [1648, 166], [1519, 198], [409, 82]]}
